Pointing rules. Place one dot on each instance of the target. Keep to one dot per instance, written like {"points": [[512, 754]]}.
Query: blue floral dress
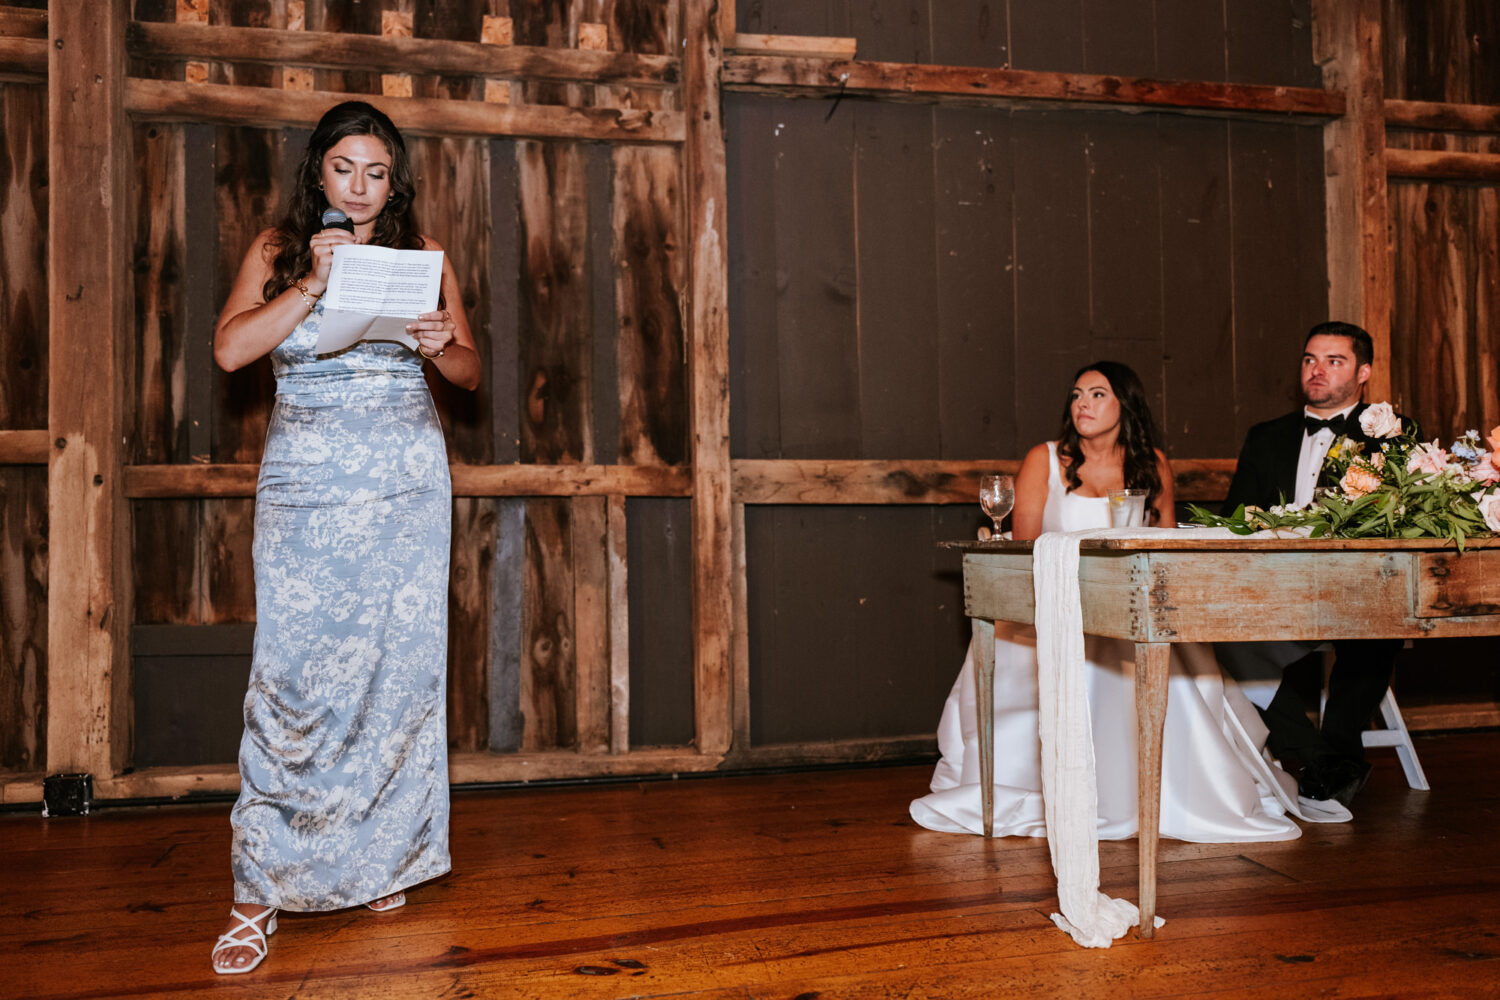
{"points": [[344, 763]]}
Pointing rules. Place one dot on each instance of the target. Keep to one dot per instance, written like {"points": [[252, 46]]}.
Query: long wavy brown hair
{"points": [[396, 226], [1138, 433]]}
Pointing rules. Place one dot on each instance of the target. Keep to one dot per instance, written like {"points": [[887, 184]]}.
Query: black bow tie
{"points": [[1335, 423]]}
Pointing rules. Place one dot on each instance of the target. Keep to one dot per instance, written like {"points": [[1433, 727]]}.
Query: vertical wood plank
{"points": [[704, 195], [1198, 300], [603, 268], [452, 205], [556, 349], [23, 618], [892, 30], [88, 605], [663, 673], [592, 615], [228, 571], [1047, 35], [1348, 45], [975, 308], [1190, 42], [650, 387], [548, 657], [816, 281], [1125, 248], [897, 292], [754, 419], [160, 421], [617, 583], [470, 619], [506, 625], [970, 33], [1052, 262], [250, 165], [23, 256], [504, 302], [167, 561], [1119, 38]]}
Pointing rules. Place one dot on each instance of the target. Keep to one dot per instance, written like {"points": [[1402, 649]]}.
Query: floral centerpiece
{"points": [[1404, 488]]}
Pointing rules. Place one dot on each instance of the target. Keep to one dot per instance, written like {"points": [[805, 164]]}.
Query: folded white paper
{"points": [[373, 292]]}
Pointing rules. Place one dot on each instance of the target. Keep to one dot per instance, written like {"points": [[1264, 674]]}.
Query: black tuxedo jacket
{"points": [[1267, 471]]}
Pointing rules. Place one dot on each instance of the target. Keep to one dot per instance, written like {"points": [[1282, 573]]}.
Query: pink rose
{"points": [[1427, 458], [1484, 471], [1380, 421], [1489, 506]]}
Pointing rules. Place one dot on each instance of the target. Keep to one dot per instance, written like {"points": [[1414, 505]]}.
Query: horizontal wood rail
{"points": [[206, 102], [783, 481], [761, 481], [23, 58], [23, 22], [1443, 165], [160, 482], [339, 50], [1440, 117], [791, 45], [986, 86], [23, 448]]}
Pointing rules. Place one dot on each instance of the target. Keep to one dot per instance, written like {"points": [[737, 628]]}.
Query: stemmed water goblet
{"points": [[997, 495]]}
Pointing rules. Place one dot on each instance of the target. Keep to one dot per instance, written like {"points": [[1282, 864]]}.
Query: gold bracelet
{"points": [[307, 298], [429, 357]]}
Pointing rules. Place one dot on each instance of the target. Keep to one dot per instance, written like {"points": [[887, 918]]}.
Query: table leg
{"points": [[983, 649], [1151, 660]]}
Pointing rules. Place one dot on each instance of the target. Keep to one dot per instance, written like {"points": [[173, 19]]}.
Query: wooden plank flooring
{"points": [[787, 886]]}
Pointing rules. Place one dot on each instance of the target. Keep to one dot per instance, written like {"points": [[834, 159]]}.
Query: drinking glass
{"points": [[997, 495], [1127, 508]]}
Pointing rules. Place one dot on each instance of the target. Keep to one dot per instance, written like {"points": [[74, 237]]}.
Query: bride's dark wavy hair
{"points": [[1137, 431], [396, 226]]}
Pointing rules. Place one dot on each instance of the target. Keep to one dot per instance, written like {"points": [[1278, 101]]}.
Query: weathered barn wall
{"points": [[1446, 311], [918, 282]]}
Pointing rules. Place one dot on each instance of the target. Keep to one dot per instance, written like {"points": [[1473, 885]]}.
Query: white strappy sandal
{"points": [[396, 901], [255, 940]]}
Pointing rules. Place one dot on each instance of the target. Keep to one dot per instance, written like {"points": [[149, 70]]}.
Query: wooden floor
{"points": [[790, 886]]}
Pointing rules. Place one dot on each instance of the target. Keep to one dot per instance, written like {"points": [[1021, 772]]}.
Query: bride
{"points": [[1216, 787]]}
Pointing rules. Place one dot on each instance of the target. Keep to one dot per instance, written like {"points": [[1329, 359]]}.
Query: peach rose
{"points": [[1489, 506], [1427, 458], [1494, 439], [1378, 420], [1358, 481]]}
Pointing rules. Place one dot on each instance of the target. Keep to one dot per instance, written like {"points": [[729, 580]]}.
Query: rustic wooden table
{"points": [[1184, 587]]}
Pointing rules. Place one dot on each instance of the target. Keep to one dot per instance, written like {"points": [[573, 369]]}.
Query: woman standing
{"points": [[1216, 788], [343, 764]]}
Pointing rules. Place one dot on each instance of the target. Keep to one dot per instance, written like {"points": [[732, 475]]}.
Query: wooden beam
{"points": [[790, 481], [23, 22], [1361, 275], [1441, 117], [705, 200], [24, 448], [23, 59], [263, 106], [1443, 165], [178, 482], [986, 86], [391, 54], [802, 46], [89, 295]]}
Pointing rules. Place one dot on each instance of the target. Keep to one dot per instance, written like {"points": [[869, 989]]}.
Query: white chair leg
{"points": [[1397, 735]]}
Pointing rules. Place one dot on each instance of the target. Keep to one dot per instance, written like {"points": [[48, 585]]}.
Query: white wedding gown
{"points": [[1215, 787]]}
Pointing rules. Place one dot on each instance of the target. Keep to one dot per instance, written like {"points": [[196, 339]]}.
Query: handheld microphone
{"points": [[334, 218]]}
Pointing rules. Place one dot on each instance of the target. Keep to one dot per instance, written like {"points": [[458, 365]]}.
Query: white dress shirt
{"points": [[1314, 451]]}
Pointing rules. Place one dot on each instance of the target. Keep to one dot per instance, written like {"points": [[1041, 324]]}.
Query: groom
{"points": [[1282, 463]]}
